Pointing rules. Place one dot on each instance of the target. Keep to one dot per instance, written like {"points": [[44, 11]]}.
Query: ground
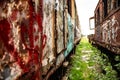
{"points": [[88, 63]]}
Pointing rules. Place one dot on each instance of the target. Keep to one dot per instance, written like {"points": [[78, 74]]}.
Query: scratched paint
{"points": [[20, 47], [59, 26], [27, 38], [98, 33], [109, 31], [48, 30], [69, 27], [70, 36]]}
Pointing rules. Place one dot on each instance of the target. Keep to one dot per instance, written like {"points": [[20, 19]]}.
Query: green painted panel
{"points": [[70, 37]]}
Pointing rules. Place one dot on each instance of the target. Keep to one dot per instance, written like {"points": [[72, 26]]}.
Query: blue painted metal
{"points": [[70, 37]]}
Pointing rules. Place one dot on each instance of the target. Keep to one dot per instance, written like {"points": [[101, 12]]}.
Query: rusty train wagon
{"points": [[107, 25], [35, 37]]}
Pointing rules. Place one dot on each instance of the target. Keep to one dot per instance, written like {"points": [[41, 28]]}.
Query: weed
{"points": [[90, 64]]}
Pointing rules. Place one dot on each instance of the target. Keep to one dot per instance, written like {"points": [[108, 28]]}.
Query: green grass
{"points": [[88, 64]]}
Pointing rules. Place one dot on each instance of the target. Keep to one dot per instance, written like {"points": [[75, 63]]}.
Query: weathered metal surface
{"points": [[20, 27], [98, 33], [67, 24], [110, 30], [59, 25], [107, 25], [70, 36], [48, 31], [32, 33], [77, 31]]}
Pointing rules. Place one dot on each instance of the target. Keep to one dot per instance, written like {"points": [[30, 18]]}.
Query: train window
{"points": [[118, 2], [105, 8], [69, 6], [98, 16], [114, 4], [109, 5]]}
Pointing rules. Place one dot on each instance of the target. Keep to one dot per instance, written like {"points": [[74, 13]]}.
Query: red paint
{"points": [[5, 34], [35, 52], [31, 22], [5, 37], [39, 20], [13, 16], [24, 33], [34, 55], [44, 38]]}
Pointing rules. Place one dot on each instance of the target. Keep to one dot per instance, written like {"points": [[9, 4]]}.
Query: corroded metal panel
{"points": [[69, 27], [70, 36], [48, 31], [111, 30], [66, 24], [108, 29], [20, 36], [32, 33], [98, 33], [59, 25]]}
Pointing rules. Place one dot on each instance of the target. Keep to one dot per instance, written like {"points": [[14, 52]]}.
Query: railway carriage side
{"points": [[35, 37], [107, 25]]}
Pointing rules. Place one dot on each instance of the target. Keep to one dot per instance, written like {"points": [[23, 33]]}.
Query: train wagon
{"points": [[107, 25], [35, 37]]}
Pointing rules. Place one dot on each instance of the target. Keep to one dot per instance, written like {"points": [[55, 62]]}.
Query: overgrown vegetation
{"points": [[90, 64]]}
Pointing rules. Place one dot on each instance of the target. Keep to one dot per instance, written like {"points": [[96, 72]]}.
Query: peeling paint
{"points": [[17, 26], [32, 37], [109, 30], [70, 37]]}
